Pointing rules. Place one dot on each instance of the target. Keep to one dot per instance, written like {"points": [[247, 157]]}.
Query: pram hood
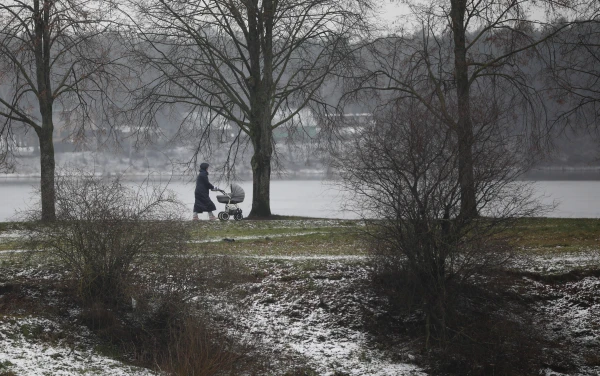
{"points": [[237, 193]]}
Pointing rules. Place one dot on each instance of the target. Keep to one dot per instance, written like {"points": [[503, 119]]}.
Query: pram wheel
{"points": [[238, 216], [223, 216]]}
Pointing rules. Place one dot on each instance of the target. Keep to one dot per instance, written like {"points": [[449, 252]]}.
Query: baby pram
{"points": [[231, 201]]}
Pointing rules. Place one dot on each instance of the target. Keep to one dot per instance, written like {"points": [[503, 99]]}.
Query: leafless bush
{"points": [[403, 170], [195, 349], [107, 231], [127, 251], [175, 335]]}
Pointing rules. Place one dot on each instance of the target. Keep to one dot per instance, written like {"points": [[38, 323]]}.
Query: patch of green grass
{"points": [[294, 277], [9, 238], [108, 350], [7, 245], [31, 332], [310, 266], [5, 365], [551, 235], [11, 226], [326, 242], [262, 229], [301, 371], [343, 237], [288, 236]]}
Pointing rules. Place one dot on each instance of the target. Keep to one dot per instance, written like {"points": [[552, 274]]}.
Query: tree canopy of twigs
{"points": [[55, 60], [252, 65], [452, 54], [573, 78], [402, 171]]}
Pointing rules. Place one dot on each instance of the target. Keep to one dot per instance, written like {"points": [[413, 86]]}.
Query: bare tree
{"points": [[253, 64], [403, 171], [54, 60], [574, 74], [453, 54]]}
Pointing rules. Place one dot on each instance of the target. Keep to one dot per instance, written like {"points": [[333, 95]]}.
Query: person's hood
{"points": [[203, 166]]}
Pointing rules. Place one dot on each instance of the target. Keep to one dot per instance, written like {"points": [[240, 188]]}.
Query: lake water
{"points": [[316, 198]]}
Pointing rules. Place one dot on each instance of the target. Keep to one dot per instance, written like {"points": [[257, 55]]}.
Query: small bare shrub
{"points": [[175, 335], [126, 250], [195, 349], [106, 231], [430, 259]]}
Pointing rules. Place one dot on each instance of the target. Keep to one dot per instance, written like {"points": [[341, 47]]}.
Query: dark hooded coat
{"points": [[203, 202]]}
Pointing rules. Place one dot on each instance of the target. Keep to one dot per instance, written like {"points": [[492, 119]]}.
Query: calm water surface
{"points": [[315, 198]]}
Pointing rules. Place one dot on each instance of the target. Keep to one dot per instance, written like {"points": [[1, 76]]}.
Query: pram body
{"points": [[231, 201]]}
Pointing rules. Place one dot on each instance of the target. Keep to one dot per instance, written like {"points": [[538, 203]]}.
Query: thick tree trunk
{"points": [[464, 124], [47, 167], [43, 43], [260, 86], [261, 188], [261, 171]]}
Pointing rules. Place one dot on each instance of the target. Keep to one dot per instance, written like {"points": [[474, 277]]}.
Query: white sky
{"points": [[390, 10]]}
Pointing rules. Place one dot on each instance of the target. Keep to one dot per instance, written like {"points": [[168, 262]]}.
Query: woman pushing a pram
{"points": [[203, 203]]}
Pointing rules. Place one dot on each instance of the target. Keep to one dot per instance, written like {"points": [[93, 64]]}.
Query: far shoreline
{"points": [[548, 173]]}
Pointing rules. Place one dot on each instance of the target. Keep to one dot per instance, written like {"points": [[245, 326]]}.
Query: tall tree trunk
{"points": [[42, 9], [260, 85], [464, 124], [261, 167], [47, 168], [261, 188]]}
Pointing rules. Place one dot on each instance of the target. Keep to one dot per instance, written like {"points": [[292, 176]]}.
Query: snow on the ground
{"points": [[571, 315], [308, 309], [12, 234], [568, 309], [301, 257], [14, 251], [328, 348], [307, 257], [559, 262], [313, 317], [23, 352]]}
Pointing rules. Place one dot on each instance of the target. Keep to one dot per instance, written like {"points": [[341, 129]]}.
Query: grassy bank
{"points": [[334, 237], [323, 236]]}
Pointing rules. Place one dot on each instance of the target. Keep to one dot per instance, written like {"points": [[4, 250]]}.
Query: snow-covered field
{"points": [[299, 309], [559, 262], [32, 346], [309, 309], [572, 317]]}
